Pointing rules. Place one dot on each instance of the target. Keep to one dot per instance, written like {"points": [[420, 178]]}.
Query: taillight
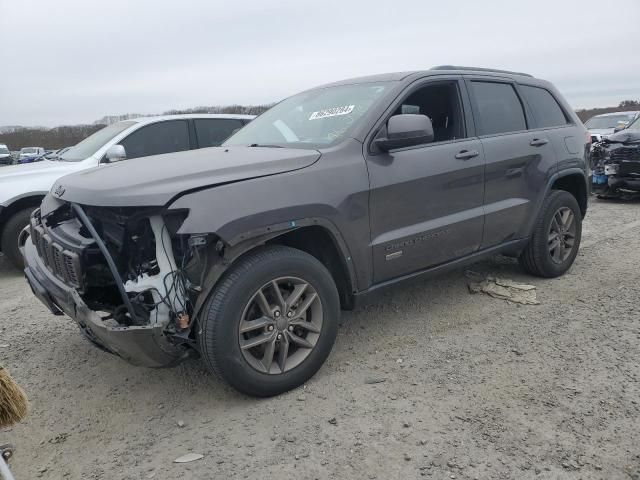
{"points": [[588, 138]]}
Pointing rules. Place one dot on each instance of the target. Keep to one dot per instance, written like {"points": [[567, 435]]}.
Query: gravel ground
{"points": [[430, 381]]}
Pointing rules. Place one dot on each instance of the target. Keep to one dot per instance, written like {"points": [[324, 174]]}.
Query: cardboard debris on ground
{"points": [[506, 289]]}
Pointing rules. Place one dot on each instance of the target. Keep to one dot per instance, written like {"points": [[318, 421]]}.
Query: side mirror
{"points": [[406, 130], [618, 129], [116, 153]]}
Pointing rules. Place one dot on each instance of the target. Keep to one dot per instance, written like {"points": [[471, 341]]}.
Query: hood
{"points": [[26, 169], [32, 178], [154, 181], [625, 136], [601, 131]]}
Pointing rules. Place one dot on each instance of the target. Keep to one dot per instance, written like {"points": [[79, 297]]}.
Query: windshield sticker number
{"points": [[332, 112]]}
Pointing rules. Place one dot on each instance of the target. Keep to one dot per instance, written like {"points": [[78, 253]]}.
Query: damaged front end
{"points": [[124, 274], [615, 165]]}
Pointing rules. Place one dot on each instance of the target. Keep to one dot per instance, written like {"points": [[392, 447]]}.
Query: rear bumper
{"points": [[139, 345]]}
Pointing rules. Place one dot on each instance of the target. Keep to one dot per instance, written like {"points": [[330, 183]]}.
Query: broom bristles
{"points": [[13, 401]]}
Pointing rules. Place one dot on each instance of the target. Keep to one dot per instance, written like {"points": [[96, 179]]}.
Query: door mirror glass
{"points": [[406, 130], [115, 153]]}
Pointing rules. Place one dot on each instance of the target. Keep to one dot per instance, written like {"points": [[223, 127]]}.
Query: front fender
{"points": [[332, 192]]}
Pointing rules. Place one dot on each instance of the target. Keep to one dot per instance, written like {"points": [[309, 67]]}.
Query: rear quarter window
{"points": [[498, 108], [157, 138], [545, 108], [211, 132]]}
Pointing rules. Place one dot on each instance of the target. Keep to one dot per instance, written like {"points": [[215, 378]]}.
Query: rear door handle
{"points": [[466, 154], [538, 142]]}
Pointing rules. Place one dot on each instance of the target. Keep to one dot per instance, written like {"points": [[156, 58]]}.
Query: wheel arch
{"points": [[19, 203], [575, 182], [315, 236], [319, 242], [571, 180]]}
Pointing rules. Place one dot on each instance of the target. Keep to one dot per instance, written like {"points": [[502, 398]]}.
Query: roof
{"points": [[158, 118], [438, 70]]}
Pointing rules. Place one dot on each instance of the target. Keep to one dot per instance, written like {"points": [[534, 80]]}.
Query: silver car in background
{"points": [[5, 155], [601, 126]]}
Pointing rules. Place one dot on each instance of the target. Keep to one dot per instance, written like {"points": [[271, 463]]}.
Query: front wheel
{"points": [[9, 241], [556, 236], [271, 321]]}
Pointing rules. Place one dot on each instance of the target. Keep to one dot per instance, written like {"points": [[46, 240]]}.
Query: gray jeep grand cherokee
{"points": [[244, 254]]}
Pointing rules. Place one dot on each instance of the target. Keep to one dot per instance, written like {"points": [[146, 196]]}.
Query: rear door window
{"points": [[545, 108], [157, 138], [498, 108], [211, 132]]}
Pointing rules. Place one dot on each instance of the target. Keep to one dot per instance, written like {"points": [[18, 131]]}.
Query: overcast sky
{"points": [[74, 61]]}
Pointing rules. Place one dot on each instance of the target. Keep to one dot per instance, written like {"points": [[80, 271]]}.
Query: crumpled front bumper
{"points": [[139, 345]]}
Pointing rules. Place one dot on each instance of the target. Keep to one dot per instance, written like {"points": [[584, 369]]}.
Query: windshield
{"points": [[610, 121], [29, 150], [93, 143], [4, 150], [313, 119]]}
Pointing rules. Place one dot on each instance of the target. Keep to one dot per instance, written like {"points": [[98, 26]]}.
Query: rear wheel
{"points": [[556, 237], [271, 321], [10, 235]]}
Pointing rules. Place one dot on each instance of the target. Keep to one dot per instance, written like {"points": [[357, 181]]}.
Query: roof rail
{"points": [[477, 69]]}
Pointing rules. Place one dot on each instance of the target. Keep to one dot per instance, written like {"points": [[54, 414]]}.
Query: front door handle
{"points": [[466, 154], [538, 142]]}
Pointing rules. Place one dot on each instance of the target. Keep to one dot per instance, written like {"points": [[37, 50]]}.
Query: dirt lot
{"points": [[430, 381]]}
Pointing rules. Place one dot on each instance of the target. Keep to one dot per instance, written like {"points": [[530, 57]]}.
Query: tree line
{"points": [[68, 135], [51, 138]]}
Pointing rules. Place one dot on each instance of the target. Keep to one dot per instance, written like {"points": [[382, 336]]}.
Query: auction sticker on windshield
{"points": [[332, 112]]}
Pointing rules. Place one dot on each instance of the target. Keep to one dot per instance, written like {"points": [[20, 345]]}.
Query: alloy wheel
{"points": [[562, 234], [280, 325]]}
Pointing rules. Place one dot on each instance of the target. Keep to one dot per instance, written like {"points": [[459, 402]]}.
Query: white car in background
{"points": [[22, 187], [601, 126]]}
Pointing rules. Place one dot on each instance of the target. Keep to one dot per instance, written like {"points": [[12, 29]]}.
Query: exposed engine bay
{"points": [[150, 275], [615, 165]]}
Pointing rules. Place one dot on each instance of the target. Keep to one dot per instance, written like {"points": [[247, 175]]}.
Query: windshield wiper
{"points": [[266, 146]]}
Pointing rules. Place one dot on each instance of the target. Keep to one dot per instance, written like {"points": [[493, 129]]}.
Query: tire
{"points": [[10, 233], [537, 259], [236, 296]]}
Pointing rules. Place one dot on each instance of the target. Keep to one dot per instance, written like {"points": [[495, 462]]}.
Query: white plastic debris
{"points": [[5, 473], [189, 457]]}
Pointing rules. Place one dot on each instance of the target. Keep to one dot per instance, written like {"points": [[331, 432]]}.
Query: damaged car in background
{"points": [[615, 163], [244, 254]]}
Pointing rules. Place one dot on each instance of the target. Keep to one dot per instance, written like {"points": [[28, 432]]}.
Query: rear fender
{"points": [[549, 186]]}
